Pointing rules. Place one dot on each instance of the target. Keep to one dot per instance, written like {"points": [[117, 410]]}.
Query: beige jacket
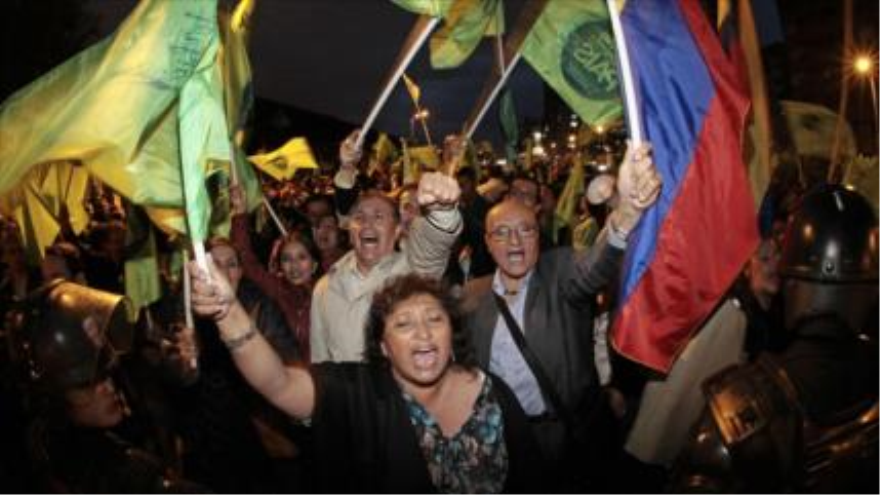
{"points": [[343, 296]]}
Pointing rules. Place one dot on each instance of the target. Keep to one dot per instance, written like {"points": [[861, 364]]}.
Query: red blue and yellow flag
{"points": [[689, 246]]}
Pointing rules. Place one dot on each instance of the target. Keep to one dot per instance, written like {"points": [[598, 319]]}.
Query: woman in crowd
{"points": [[294, 266], [330, 240], [417, 417]]}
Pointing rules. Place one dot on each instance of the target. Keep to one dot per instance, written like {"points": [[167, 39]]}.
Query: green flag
{"points": [[142, 283], [466, 22], [239, 95], [509, 125], [433, 8], [572, 47], [102, 105], [204, 139]]}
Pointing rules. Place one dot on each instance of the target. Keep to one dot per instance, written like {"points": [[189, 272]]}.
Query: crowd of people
{"points": [[446, 335]]}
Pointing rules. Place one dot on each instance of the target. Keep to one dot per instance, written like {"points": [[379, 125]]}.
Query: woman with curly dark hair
{"points": [[417, 417]]}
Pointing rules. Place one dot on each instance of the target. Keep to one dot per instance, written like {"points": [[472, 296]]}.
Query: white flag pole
{"points": [[508, 57], [633, 118], [481, 112], [420, 32]]}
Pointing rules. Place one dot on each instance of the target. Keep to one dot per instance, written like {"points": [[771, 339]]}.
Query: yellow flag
{"points": [[38, 225], [283, 163], [414, 91]]}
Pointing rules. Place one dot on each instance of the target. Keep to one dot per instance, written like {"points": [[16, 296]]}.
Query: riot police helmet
{"points": [[72, 334], [829, 257]]}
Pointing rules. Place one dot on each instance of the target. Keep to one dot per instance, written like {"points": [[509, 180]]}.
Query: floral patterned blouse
{"points": [[474, 460]]}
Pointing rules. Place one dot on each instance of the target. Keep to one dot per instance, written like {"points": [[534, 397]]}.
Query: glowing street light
{"points": [[863, 65]]}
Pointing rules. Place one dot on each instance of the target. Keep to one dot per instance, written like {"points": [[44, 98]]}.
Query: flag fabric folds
{"points": [[239, 94], [465, 24], [690, 246], [67, 114], [166, 137], [283, 163], [142, 283], [571, 46]]}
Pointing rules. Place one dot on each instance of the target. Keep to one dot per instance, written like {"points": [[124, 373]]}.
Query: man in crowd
{"points": [[343, 296], [549, 296]]}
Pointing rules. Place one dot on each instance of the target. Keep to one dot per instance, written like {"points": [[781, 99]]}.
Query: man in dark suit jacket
{"points": [[551, 300]]}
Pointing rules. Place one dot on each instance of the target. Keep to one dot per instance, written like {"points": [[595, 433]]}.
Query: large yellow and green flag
{"points": [[433, 8], [104, 104], [572, 47], [465, 24]]}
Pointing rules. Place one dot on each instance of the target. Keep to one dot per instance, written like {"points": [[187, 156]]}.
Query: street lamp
{"points": [[863, 67]]}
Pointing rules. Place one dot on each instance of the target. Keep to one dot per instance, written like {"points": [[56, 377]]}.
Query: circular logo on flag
{"points": [[588, 61]]}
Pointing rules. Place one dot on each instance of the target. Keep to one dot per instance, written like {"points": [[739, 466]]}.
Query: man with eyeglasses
{"points": [[342, 297], [549, 296]]}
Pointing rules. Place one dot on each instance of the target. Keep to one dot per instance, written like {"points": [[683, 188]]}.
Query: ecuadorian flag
{"points": [[689, 246]]}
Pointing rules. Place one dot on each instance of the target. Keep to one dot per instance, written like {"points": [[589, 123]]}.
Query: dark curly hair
{"points": [[399, 289]]}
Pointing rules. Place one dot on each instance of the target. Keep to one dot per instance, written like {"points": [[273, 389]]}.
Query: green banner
{"points": [[572, 47]]}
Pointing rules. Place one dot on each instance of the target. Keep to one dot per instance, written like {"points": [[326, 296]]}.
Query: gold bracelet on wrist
{"points": [[237, 342]]}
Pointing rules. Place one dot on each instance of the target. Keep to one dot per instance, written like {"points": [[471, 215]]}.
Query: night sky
{"points": [[331, 57]]}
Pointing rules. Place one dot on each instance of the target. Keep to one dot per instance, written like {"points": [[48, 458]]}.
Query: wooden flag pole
{"points": [[512, 53], [633, 119], [416, 38]]}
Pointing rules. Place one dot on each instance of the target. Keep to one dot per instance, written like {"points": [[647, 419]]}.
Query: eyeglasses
{"points": [[504, 233]]}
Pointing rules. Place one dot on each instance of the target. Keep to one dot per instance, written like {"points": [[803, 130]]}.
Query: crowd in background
{"points": [[355, 270]]}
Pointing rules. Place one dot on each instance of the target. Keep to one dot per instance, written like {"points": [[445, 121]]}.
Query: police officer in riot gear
{"points": [[69, 338], [804, 419]]}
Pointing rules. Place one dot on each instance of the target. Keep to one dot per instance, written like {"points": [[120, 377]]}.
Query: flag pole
{"points": [[474, 121], [274, 216], [633, 119], [512, 52], [416, 38], [187, 293]]}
